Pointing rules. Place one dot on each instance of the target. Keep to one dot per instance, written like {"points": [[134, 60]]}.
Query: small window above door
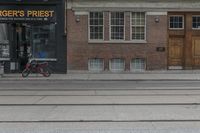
{"points": [[196, 22], [176, 22]]}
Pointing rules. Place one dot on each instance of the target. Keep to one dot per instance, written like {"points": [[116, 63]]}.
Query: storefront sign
{"points": [[28, 13]]}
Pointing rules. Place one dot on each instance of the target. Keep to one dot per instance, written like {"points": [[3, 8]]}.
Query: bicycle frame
{"points": [[34, 66]]}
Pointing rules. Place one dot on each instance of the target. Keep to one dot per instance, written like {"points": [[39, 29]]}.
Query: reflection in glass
{"points": [[44, 42]]}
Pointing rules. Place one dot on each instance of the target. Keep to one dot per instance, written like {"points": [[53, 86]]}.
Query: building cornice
{"points": [[134, 5]]}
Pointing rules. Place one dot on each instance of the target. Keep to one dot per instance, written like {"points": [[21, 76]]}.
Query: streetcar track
{"points": [[106, 104], [96, 95], [101, 121], [101, 89]]}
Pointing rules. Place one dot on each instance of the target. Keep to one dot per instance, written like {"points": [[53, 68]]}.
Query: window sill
{"points": [[172, 29], [195, 28], [44, 59], [4, 59], [135, 41]]}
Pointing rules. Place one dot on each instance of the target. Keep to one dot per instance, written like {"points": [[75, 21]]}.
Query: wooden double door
{"points": [[196, 52], [177, 53]]}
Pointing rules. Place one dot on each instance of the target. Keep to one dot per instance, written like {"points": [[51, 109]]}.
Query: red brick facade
{"points": [[80, 49]]}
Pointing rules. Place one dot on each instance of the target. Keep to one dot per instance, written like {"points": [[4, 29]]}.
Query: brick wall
{"points": [[157, 36], [80, 50]]}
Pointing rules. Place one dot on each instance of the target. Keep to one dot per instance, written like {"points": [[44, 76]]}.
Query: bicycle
{"points": [[34, 66]]}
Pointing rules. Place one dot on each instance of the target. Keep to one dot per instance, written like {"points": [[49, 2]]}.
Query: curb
{"points": [[58, 79], [107, 77]]}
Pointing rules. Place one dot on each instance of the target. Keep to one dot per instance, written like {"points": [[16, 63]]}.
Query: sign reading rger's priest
{"points": [[28, 13]]}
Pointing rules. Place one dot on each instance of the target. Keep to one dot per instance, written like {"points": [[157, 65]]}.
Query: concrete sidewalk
{"points": [[101, 100], [136, 76]]}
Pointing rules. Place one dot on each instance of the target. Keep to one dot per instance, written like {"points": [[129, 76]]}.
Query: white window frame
{"points": [[192, 22], [131, 27], [89, 27], [183, 25], [132, 69], [95, 70], [110, 38], [116, 70]]}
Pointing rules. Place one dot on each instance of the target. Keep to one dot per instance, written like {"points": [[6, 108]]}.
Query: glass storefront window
{"points": [[43, 41], [4, 43]]}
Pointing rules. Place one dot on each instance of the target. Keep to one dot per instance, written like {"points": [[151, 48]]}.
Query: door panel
{"points": [[175, 53], [196, 51]]}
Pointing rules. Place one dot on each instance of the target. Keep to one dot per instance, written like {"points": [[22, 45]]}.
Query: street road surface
{"points": [[99, 106]]}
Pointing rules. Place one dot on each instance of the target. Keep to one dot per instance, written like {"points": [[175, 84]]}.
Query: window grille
{"points": [[176, 22], [117, 25], [96, 25], [138, 26], [196, 22], [95, 65], [117, 65], [138, 64]]}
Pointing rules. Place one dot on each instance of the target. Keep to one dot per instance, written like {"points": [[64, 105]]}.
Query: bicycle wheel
{"points": [[46, 72], [25, 72]]}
